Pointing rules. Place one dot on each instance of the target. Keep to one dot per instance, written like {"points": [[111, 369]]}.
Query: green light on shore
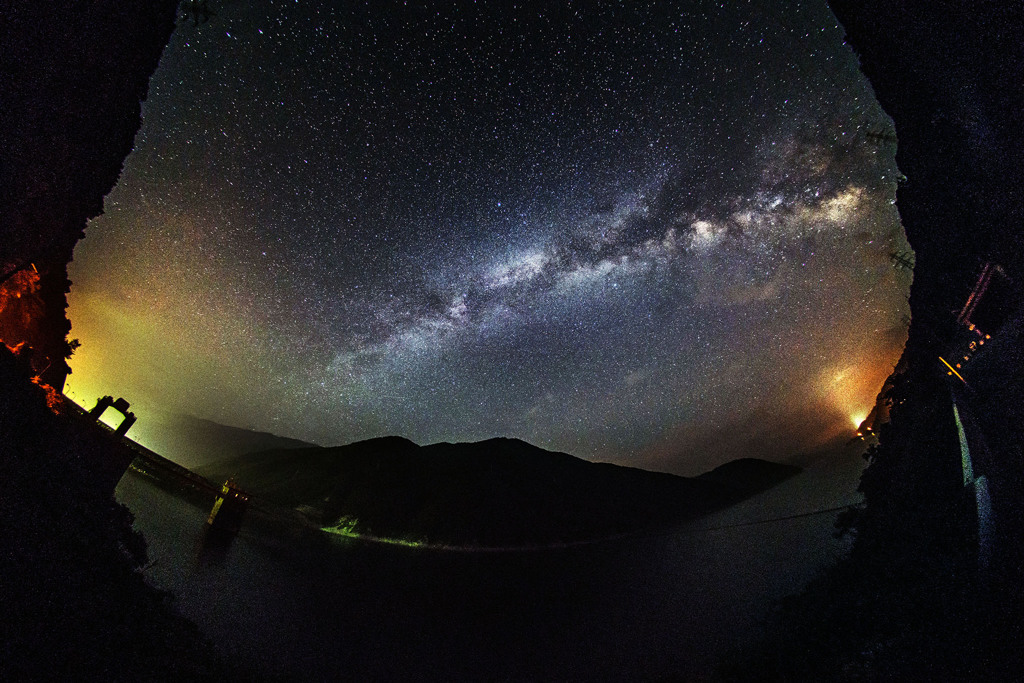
{"points": [[346, 526]]}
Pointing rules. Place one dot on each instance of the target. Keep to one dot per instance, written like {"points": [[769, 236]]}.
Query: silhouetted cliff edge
{"points": [[74, 78], [75, 604]]}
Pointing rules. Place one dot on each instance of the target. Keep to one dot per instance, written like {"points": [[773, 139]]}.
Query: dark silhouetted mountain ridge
{"points": [[193, 441], [493, 493], [750, 475]]}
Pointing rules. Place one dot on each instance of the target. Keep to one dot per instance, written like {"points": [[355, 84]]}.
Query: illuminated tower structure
{"points": [[119, 405], [228, 508]]}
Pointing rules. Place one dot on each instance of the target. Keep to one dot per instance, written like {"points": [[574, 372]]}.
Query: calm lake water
{"points": [[328, 608]]}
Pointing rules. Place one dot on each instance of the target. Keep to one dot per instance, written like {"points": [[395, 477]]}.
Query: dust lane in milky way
{"points": [[654, 234]]}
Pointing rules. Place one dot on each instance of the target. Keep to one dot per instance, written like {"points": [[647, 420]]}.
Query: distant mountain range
{"points": [[193, 441], [498, 492]]}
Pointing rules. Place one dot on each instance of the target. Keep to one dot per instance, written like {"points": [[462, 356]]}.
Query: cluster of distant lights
{"points": [[973, 346]]}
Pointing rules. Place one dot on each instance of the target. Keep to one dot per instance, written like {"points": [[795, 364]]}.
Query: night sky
{"points": [[658, 236]]}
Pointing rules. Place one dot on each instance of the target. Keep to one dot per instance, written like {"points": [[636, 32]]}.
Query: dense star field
{"points": [[657, 235]]}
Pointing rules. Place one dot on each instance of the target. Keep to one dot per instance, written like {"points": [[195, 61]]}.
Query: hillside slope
{"points": [[193, 441], [494, 492]]}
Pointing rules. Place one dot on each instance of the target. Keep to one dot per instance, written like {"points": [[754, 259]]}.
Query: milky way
{"points": [[660, 236]]}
